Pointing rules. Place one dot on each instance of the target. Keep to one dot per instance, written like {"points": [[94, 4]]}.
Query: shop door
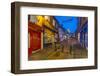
{"points": [[35, 41]]}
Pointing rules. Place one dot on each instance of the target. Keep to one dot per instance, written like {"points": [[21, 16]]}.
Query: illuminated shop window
{"points": [[28, 40], [54, 22]]}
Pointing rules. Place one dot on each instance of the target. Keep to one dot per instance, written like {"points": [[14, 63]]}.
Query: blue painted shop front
{"points": [[84, 35]]}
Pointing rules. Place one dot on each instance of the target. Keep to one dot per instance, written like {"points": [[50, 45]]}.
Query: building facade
{"points": [[41, 32], [82, 32]]}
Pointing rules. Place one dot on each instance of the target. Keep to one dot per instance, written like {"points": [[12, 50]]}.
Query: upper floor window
{"points": [[47, 18]]}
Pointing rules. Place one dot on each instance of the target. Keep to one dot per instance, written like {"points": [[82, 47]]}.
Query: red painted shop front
{"points": [[34, 33]]}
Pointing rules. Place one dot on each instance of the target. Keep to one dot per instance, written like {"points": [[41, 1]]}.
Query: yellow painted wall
{"points": [[42, 21]]}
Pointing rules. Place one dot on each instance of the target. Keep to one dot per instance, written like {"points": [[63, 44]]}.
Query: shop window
{"points": [[28, 40], [53, 22], [47, 18]]}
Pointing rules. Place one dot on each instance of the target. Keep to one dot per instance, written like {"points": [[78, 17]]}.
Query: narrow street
{"points": [[57, 37]]}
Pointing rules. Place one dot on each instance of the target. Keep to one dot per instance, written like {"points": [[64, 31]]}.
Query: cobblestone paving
{"points": [[51, 54]]}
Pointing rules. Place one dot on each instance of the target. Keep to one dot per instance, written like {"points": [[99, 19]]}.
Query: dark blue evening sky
{"points": [[68, 22]]}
